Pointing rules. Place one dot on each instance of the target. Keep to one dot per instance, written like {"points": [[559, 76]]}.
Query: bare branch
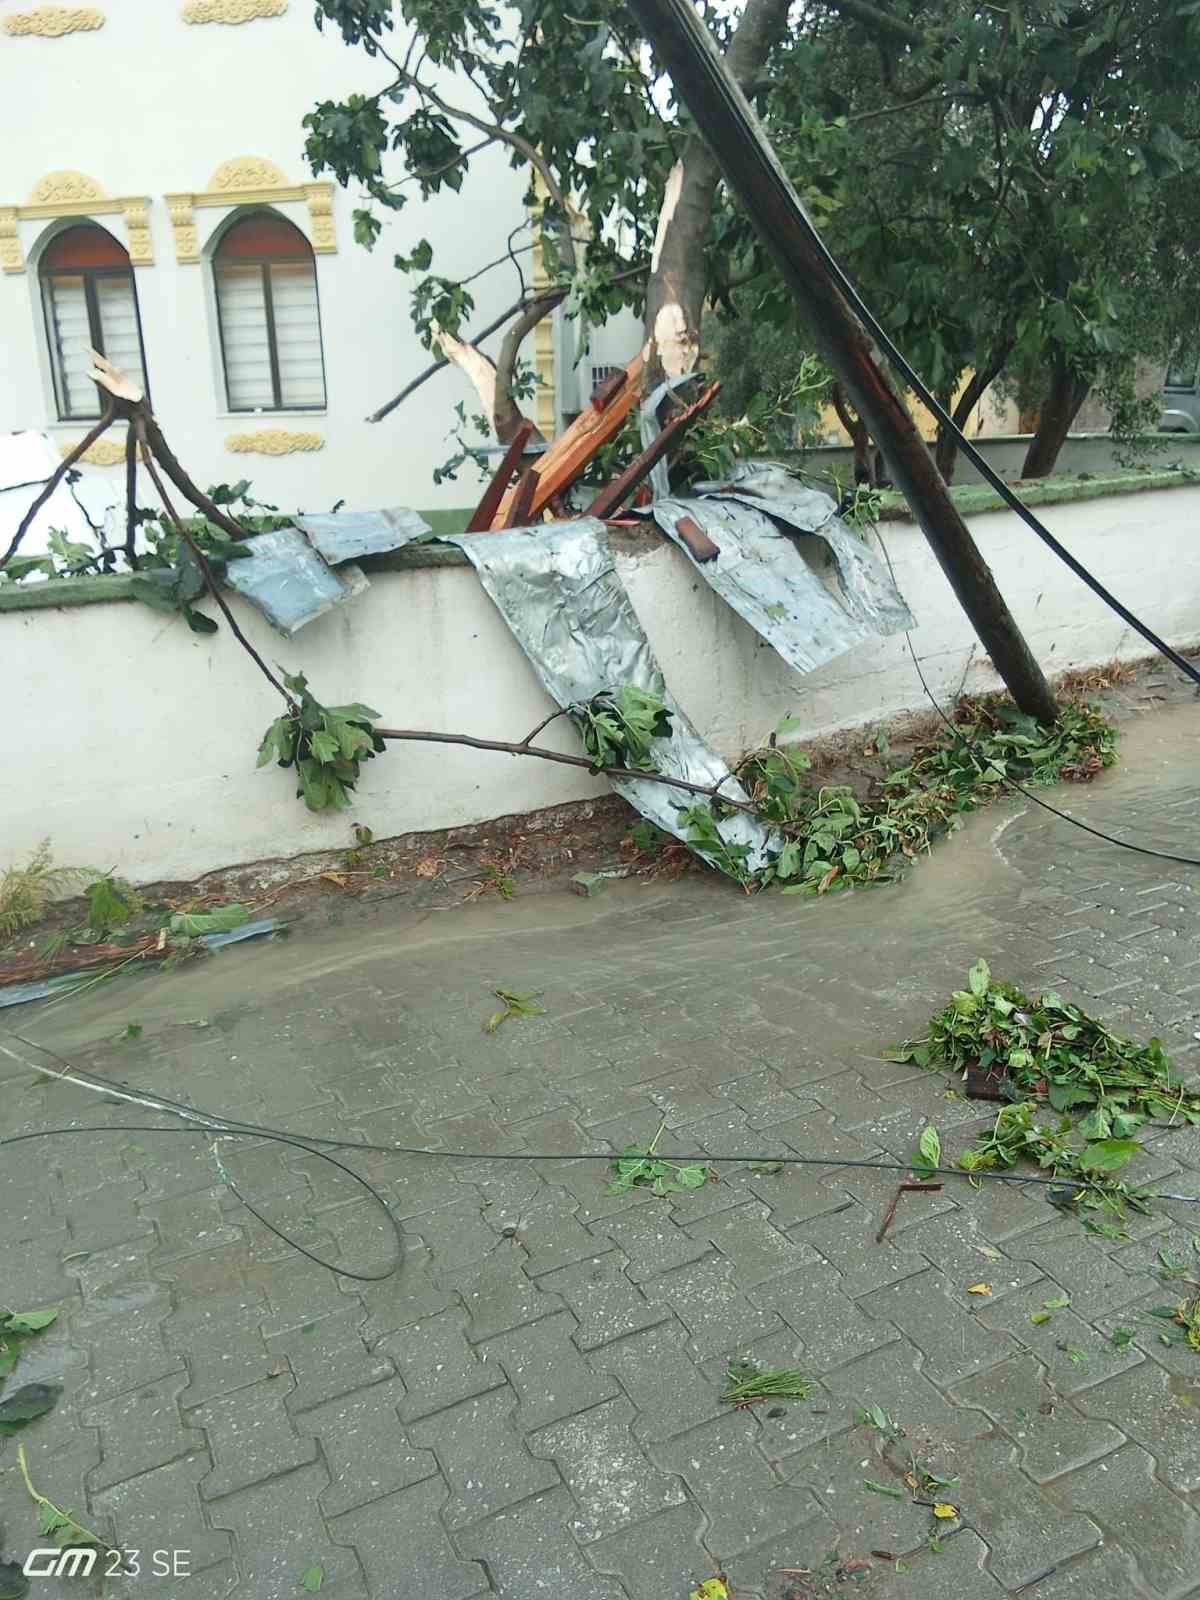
{"points": [[53, 481]]}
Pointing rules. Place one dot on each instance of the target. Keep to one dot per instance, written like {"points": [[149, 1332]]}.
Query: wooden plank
{"points": [[570, 453], [489, 502], [699, 546], [608, 390], [520, 513], [615, 493]]}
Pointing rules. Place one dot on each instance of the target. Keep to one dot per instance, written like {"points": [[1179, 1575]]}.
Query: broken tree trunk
{"points": [[703, 82]]}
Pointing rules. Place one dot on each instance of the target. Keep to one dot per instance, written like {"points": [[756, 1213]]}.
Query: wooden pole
{"points": [[725, 120]]}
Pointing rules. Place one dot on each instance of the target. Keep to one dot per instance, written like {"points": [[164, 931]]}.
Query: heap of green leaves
{"points": [[833, 839], [326, 745], [747, 1381], [1054, 1058], [619, 727]]}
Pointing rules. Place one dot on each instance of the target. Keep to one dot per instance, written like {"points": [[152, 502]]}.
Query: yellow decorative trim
{"points": [[232, 11], [74, 194], [319, 199], [104, 453], [183, 226], [273, 442], [52, 22], [246, 172], [544, 354], [252, 180], [137, 229], [11, 258], [66, 188]]}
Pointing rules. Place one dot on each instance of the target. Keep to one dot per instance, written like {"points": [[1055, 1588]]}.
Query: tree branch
{"points": [[206, 570], [709, 791], [53, 481], [551, 297], [877, 21]]}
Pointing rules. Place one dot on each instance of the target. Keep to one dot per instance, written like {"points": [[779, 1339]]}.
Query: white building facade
{"points": [[155, 202]]}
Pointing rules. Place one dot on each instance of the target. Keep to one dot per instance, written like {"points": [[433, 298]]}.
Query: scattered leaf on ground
{"points": [[133, 1030], [29, 1321], [1059, 1303], [766, 1169], [979, 1288], [515, 1005], [883, 1488], [986, 1250], [220, 919], [943, 1509], [26, 1404], [710, 1589], [929, 1146], [312, 1578], [1122, 1337], [1038, 1317]]}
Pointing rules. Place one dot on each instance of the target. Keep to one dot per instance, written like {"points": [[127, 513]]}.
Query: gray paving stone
{"points": [[756, 1250], [830, 1326], [251, 1437], [456, 1235], [604, 1301], [159, 1511], [661, 1557], [297, 1291], [664, 1384], [529, 1551], [651, 1240], [725, 1472], [327, 1359], [365, 1447], [279, 1533], [1052, 1435], [847, 1240], [717, 1314], [553, 1235], [934, 1314], [1160, 1412], [613, 1482], [1160, 1531], [409, 1295], [483, 1458], [1109, 1573], [221, 1337], [544, 1366], [188, 1223], [1074, 1353], [1024, 1528], [894, 1379], [437, 1364], [499, 1295], [140, 1430]]}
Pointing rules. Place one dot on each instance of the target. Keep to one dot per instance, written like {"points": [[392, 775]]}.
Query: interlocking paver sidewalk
{"points": [[532, 1404]]}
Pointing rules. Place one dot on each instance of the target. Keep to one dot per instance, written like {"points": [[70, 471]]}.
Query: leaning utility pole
{"points": [[729, 126]]}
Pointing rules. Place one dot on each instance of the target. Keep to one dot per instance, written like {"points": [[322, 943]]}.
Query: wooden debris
{"points": [[489, 502], [699, 546], [613, 495], [570, 453], [520, 502], [608, 390]]}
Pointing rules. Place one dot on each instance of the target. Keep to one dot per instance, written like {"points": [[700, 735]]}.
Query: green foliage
{"points": [[515, 1004], [642, 1168], [745, 1381], [221, 919], [619, 726], [27, 891], [835, 840], [1183, 1322], [16, 1327], [1079, 1091], [111, 904], [753, 418], [326, 744]]}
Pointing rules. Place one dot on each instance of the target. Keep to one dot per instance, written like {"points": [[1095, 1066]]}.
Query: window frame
{"points": [[89, 275], [264, 263]]}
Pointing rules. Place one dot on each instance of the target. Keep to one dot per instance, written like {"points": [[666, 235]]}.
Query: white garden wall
{"points": [[131, 741]]}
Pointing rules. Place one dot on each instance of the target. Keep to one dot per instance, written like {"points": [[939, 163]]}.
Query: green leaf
{"points": [[133, 1030], [1059, 1303], [978, 978], [30, 1321], [221, 919], [883, 1488], [1109, 1155], [107, 906], [325, 747], [14, 1585], [693, 1177], [312, 1578], [766, 1169], [28, 1403], [930, 1147], [1122, 1337], [1039, 1317], [1063, 1096], [1096, 1125]]}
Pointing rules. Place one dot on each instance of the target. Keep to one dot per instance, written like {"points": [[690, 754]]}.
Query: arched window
{"points": [[266, 282], [90, 302]]}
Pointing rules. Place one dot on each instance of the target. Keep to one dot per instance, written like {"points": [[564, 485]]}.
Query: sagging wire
{"points": [[984, 762], [210, 1125]]}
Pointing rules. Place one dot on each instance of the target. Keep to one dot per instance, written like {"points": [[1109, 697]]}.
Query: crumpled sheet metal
{"points": [[763, 576], [288, 581], [557, 588], [349, 535]]}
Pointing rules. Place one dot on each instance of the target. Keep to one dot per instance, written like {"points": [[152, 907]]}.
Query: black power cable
{"points": [[984, 761]]}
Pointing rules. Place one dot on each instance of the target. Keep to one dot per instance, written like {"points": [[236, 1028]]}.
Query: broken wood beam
{"points": [[520, 513], [489, 501], [699, 546], [615, 493], [608, 390], [570, 453]]}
